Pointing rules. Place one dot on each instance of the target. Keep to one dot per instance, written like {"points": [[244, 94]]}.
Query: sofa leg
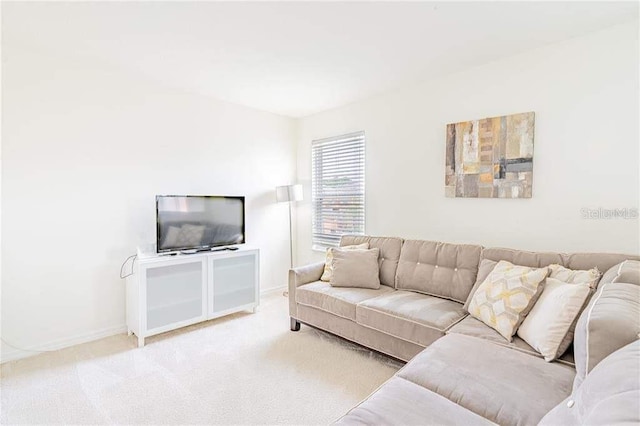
{"points": [[295, 325]]}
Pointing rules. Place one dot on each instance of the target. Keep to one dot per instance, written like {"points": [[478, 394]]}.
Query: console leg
{"points": [[295, 325], [140, 342]]}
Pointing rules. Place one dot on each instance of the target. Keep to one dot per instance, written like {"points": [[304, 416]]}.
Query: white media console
{"points": [[168, 292]]}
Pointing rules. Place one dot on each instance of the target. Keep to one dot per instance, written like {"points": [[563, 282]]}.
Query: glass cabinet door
{"points": [[234, 282], [174, 293]]}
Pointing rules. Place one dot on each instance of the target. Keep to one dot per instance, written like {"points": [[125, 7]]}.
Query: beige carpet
{"points": [[241, 369]]}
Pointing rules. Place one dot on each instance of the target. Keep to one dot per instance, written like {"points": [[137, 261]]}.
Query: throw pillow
{"points": [[504, 299], [570, 276], [485, 268], [356, 268], [550, 325], [326, 275]]}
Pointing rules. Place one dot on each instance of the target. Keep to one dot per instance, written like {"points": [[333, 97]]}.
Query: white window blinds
{"points": [[337, 188]]}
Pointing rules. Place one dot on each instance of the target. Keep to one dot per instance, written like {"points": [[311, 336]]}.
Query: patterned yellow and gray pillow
{"points": [[570, 276], [328, 265], [506, 296]]}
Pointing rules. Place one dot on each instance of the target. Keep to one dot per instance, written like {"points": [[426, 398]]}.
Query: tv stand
{"points": [[168, 292]]}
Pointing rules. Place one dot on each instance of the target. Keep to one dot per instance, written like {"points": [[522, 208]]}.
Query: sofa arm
{"points": [[300, 276]]}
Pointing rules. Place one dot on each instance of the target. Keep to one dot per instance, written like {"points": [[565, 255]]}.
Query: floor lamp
{"points": [[289, 194]]}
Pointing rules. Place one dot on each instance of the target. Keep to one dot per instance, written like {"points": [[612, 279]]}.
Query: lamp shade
{"points": [[287, 193]]}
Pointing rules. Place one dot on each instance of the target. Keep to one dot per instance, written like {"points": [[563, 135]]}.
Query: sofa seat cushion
{"points": [[476, 328], [413, 317], [505, 386], [336, 300], [401, 402]]}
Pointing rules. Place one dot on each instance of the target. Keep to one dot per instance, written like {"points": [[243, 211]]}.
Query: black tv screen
{"points": [[185, 222]]}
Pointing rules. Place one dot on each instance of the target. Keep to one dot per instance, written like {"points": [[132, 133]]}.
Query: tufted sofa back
{"points": [[603, 261], [438, 269], [450, 270]]}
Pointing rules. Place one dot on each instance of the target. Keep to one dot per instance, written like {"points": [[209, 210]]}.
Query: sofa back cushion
{"points": [[575, 261], [610, 395], [626, 272], [389, 253], [610, 321], [438, 269], [603, 261]]}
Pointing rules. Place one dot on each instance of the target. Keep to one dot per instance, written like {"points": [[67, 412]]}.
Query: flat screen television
{"points": [[200, 222]]}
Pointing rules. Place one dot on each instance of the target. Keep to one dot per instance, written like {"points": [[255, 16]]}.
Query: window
{"points": [[337, 188]]}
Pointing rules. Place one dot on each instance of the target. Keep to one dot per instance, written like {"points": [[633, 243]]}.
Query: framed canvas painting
{"points": [[491, 157]]}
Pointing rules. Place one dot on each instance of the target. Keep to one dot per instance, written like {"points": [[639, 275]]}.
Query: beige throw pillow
{"points": [[507, 295], [356, 268], [326, 275], [550, 325], [570, 276]]}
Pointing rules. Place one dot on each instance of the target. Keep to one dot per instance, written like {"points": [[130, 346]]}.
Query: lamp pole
{"points": [[289, 194], [290, 237]]}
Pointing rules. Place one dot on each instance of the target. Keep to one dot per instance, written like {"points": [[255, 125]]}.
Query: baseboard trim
{"points": [[270, 291], [15, 354]]}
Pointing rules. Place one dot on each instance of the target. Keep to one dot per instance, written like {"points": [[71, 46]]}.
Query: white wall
{"points": [[585, 95], [85, 150]]}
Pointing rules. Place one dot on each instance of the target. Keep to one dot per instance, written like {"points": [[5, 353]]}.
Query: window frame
{"points": [[355, 155]]}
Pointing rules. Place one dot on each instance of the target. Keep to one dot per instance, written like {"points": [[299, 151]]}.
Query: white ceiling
{"points": [[300, 58]]}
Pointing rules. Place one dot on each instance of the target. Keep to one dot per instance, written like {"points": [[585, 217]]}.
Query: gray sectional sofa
{"points": [[461, 371]]}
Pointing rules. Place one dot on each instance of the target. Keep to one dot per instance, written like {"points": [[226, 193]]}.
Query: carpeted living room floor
{"points": [[241, 369]]}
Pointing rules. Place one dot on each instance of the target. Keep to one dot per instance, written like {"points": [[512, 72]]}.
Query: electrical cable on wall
{"points": [[133, 256]]}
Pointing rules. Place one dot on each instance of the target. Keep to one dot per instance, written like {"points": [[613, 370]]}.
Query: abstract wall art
{"points": [[490, 158]]}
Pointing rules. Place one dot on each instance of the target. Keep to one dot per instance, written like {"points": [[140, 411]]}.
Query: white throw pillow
{"points": [[549, 326]]}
